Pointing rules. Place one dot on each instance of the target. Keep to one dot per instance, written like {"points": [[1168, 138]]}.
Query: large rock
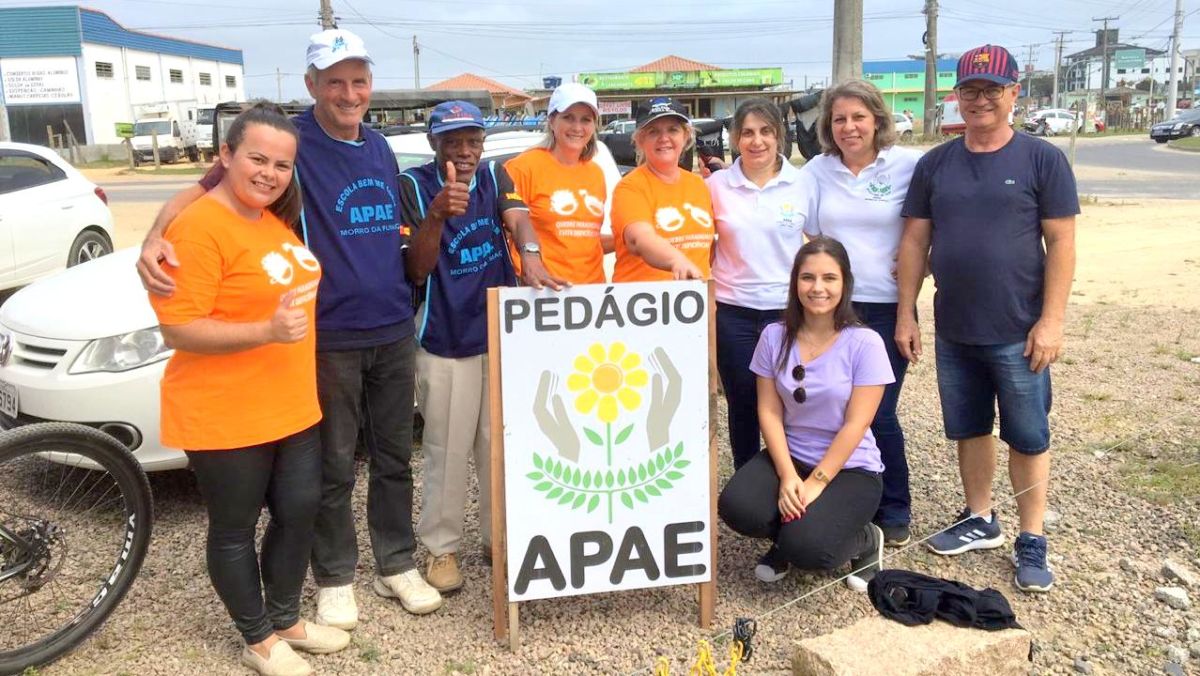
{"points": [[1176, 572], [876, 646], [1176, 597]]}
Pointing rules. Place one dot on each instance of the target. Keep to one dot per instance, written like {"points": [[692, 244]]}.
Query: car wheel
{"points": [[1195, 130], [1160, 140], [906, 135], [89, 245]]}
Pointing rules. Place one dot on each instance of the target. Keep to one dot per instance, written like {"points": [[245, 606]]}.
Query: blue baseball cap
{"points": [[452, 115]]}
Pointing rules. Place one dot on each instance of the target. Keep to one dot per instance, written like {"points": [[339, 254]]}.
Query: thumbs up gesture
{"points": [[289, 324], [453, 198]]}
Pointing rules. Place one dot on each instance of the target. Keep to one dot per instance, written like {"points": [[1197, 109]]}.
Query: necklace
{"points": [[810, 350]]}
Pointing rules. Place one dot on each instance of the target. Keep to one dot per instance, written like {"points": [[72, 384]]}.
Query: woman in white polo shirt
{"points": [[760, 204], [862, 178]]}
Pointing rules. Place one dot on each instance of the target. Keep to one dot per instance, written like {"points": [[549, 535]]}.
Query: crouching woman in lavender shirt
{"points": [[821, 375]]}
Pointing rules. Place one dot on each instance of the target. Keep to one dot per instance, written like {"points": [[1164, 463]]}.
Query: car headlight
{"points": [[122, 353]]}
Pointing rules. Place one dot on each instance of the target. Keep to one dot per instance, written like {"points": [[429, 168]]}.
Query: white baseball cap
{"points": [[334, 46], [567, 95]]}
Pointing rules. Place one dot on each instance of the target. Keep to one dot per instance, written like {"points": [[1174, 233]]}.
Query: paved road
{"points": [[149, 189]]}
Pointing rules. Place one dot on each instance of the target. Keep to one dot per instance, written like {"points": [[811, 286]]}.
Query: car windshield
{"points": [[161, 127], [205, 116], [410, 160]]}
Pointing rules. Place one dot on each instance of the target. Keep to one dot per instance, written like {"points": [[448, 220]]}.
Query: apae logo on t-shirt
{"points": [[564, 203], [879, 188], [670, 219], [279, 269]]}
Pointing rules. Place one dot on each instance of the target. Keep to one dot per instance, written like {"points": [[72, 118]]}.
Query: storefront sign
{"points": [[691, 79], [606, 438], [1129, 58], [44, 80], [616, 108]]}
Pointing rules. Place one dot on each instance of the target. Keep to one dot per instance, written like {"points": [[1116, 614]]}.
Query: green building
{"points": [[903, 83]]}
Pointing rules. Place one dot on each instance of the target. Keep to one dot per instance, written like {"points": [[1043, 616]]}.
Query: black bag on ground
{"points": [[912, 598]]}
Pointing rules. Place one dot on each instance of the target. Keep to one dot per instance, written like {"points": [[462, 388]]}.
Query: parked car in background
{"points": [[1052, 121], [1185, 123], [904, 126], [51, 217]]}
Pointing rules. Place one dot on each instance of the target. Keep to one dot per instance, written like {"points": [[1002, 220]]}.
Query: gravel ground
{"points": [[1126, 496]]}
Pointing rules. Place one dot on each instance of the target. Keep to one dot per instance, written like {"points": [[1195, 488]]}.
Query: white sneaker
{"points": [[336, 607], [414, 592]]}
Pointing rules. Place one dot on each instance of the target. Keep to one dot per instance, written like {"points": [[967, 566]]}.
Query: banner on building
{"points": [[607, 475], [1129, 58], [616, 108], [40, 80], [692, 79]]}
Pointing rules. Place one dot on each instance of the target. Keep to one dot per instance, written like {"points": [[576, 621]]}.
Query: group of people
{"points": [[313, 293]]}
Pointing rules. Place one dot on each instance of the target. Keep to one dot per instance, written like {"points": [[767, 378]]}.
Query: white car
{"points": [[51, 217], [1052, 121], [84, 345], [904, 126]]}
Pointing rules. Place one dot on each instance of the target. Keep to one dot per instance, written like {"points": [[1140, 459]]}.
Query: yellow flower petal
{"points": [[583, 364], [631, 361], [629, 399], [616, 351], [577, 382], [596, 352], [585, 402], [637, 378], [608, 409]]}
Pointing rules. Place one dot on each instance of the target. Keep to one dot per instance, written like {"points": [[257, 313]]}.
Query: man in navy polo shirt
{"points": [[986, 203], [365, 341], [459, 210]]}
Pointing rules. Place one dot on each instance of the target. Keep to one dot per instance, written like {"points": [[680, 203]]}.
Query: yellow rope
{"points": [[705, 665]]}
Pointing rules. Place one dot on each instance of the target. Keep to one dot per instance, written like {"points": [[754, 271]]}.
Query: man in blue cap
{"points": [[987, 203], [461, 212]]}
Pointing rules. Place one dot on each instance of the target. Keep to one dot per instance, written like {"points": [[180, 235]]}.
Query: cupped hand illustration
{"points": [[664, 402], [552, 418]]}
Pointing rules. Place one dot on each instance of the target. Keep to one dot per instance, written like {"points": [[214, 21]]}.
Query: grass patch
{"points": [[103, 164], [1165, 482], [1185, 355], [1190, 143], [1096, 396], [368, 652]]}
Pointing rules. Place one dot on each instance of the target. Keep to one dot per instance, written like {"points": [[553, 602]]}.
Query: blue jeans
{"points": [[895, 507], [738, 329], [973, 380]]}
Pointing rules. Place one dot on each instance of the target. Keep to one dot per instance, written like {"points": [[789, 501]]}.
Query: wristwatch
{"points": [[531, 248], [819, 474]]}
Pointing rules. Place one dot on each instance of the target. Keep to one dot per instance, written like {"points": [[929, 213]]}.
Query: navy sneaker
{"points": [[969, 532], [1029, 556], [868, 562], [772, 567], [896, 536]]}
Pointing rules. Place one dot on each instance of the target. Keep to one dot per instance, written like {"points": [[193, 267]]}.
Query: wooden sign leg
{"points": [[514, 628]]}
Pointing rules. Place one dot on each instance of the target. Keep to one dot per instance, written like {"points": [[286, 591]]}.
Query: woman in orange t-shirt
{"points": [[240, 395], [565, 189], [661, 214]]}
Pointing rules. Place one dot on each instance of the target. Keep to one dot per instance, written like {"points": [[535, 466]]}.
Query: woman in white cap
{"points": [[662, 214], [566, 189]]}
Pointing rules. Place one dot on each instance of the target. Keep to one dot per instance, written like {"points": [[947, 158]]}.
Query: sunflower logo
{"points": [[603, 378]]}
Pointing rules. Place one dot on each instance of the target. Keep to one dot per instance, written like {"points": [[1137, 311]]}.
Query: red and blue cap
{"points": [[453, 115], [989, 62]]}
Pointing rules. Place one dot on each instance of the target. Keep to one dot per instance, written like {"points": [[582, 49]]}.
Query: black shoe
{"points": [[864, 566], [772, 566], [896, 536]]}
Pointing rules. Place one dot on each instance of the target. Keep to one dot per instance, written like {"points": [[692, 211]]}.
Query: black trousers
{"points": [[235, 484], [832, 530]]}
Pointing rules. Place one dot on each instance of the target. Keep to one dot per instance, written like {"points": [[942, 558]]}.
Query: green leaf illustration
{"points": [[650, 467], [626, 500], [579, 500], [621, 478], [577, 480], [637, 492], [641, 472], [680, 464], [554, 493], [593, 503], [567, 497], [593, 436], [545, 485], [623, 435], [653, 491], [664, 484], [587, 479], [536, 476], [608, 480], [672, 474], [558, 469], [537, 461], [678, 450], [660, 462]]}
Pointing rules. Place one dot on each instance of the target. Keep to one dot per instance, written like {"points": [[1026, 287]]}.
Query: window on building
{"points": [[875, 76], [945, 75], [1120, 71], [230, 81], [205, 79], [176, 76], [911, 76], [142, 72], [104, 70]]}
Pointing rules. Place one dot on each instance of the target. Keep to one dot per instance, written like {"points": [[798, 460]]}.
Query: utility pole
{"points": [[1057, 66], [1104, 65], [1029, 79], [1173, 87], [847, 39], [327, 20], [416, 64], [931, 12], [278, 85]]}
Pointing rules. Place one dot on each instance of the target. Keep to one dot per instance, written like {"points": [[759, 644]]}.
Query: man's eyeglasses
{"points": [[799, 394], [990, 93]]}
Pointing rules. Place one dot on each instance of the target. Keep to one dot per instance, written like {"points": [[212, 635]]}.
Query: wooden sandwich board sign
{"points": [[603, 460]]}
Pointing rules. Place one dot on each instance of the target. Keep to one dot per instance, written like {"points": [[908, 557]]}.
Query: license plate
{"points": [[8, 399]]}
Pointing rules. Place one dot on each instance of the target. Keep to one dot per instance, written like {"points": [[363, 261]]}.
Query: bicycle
{"points": [[75, 518]]}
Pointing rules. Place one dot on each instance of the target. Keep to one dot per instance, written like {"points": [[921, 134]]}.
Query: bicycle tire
{"points": [[128, 476]]}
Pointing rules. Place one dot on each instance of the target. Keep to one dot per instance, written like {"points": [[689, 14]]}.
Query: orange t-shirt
{"points": [[235, 270], [680, 212], [566, 207]]}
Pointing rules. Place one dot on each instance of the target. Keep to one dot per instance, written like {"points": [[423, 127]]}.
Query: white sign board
{"points": [[606, 444], [616, 107], [44, 80]]}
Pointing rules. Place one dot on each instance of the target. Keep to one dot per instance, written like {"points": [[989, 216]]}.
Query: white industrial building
{"points": [[77, 67]]}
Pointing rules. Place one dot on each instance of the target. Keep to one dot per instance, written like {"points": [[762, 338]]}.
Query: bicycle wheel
{"points": [[75, 520]]}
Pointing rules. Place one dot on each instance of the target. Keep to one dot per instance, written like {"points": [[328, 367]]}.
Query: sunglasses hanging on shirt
{"points": [[798, 375]]}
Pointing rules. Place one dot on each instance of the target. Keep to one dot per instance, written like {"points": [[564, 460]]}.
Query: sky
{"points": [[520, 41]]}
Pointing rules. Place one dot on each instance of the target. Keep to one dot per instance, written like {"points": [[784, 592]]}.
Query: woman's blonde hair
{"points": [[589, 150], [687, 146], [868, 94]]}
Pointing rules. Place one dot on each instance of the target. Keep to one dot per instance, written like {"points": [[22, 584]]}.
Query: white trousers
{"points": [[452, 395]]}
